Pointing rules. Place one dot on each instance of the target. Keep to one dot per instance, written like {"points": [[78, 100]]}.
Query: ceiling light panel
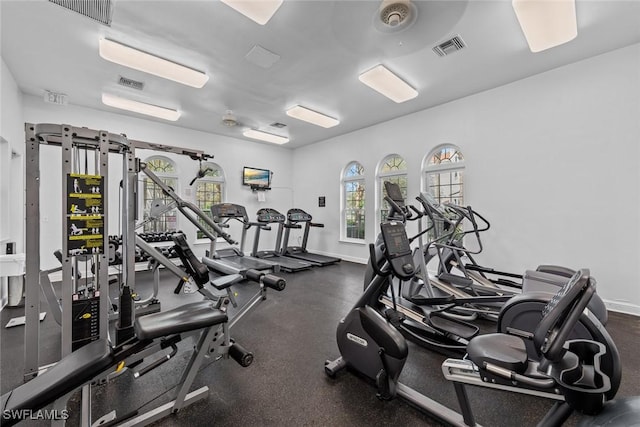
{"points": [[142, 61], [313, 117], [546, 24], [264, 136], [260, 11], [380, 79], [140, 107]]}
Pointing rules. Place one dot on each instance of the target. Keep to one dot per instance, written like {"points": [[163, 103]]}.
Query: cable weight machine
{"points": [[85, 180]]}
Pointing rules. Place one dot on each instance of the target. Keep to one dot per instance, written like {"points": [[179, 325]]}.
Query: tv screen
{"points": [[256, 177]]}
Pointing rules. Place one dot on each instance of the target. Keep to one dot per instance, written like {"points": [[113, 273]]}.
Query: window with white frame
{"points": [[166, 170], [394, 169], [353, 193], [209, 191], [443, 172]]}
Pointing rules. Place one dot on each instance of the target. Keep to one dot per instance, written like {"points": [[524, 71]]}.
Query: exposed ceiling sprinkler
{"points": [[229, 120]]}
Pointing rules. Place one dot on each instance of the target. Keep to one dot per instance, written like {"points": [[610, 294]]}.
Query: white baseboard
{"points": [[622, 307], [343, 257]]}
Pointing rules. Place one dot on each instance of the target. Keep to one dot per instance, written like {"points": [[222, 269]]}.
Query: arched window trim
{"points": [[344, 179], [429, 168], [166, 159]]}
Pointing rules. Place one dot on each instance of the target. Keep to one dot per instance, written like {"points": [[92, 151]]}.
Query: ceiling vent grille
{"points": [[278, 125], [450, 46], [130, 83], [98, 10]]}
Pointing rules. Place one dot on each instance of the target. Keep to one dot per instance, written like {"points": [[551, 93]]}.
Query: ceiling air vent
{"points": [[450, 46], [278, 125], [98, 10], [130, 83]]}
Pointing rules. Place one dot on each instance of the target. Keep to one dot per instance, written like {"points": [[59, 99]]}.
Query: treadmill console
{"points": [[397, 249], [228, 210], [298, 215], [268, 215]]}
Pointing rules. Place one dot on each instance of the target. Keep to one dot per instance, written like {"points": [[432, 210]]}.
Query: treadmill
{"points": [[294, 219], [268, 216], [232, 260]]}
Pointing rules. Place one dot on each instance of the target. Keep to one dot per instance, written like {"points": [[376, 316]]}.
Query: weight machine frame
{"points": [[71, 140]]}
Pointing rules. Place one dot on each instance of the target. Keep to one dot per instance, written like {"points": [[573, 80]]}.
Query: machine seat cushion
{"points": [[195, 315], [503, 350], [65, 376]]}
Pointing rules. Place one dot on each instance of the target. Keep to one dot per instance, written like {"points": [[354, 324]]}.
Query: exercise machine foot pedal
{"points": [[422, 300], [382, 383], [459, 281], [452, 326]]}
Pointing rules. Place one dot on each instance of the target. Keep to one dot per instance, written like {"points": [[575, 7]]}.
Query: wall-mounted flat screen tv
{"points": [[256, 178]]}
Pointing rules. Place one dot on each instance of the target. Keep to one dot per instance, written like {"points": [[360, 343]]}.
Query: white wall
{"points": [[231, 154], [551, 160], [11, 165]]}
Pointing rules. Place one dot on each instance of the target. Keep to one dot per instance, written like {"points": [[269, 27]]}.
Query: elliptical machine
{"points": [[579, 374], [372, 346], [432, 319]]}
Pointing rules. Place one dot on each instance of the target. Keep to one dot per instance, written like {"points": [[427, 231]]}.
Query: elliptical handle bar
{"points": [[419, 214], [373, 260]]}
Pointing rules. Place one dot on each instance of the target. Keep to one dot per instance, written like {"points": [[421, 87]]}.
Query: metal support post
{"points": [[32, 254]]}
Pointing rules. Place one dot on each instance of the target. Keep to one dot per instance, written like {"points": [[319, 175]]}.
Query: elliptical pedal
{"points": [[447, 325], [394, 317], [459, 281]]}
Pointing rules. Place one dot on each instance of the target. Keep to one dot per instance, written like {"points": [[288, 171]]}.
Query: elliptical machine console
{"points": [[397, 249]]}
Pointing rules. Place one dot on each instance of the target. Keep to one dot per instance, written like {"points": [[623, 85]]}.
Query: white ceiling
{"points": [[323, 47]]}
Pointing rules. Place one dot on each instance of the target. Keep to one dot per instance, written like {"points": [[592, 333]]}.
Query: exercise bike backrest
{"points": [[561, 314]]}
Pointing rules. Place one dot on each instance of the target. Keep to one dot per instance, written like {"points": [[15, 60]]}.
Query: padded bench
{"points": [[87, 362]]}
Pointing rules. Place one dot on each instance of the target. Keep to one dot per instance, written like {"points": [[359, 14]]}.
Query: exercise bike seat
{"points": [[188, 317], [68, 374], [506, 351]]}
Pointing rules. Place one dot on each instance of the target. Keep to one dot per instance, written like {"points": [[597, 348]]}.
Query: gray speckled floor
{"points": [[291, 334]]}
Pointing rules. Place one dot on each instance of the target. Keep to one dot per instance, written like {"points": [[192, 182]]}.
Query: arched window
{"points": [[209, 190], [394, 169], [166, 170], [353, 218], [443, 171]]}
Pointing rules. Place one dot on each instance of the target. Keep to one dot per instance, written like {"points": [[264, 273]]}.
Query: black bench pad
{"points": [[195, 315], [68, 374], [503, 350]]}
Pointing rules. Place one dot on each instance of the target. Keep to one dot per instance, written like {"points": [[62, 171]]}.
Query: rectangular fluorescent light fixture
{"points": [[259, 11], [264, 136], [313, 117], [384, 81], [142, 61], [546, 23], [140, 107]]}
